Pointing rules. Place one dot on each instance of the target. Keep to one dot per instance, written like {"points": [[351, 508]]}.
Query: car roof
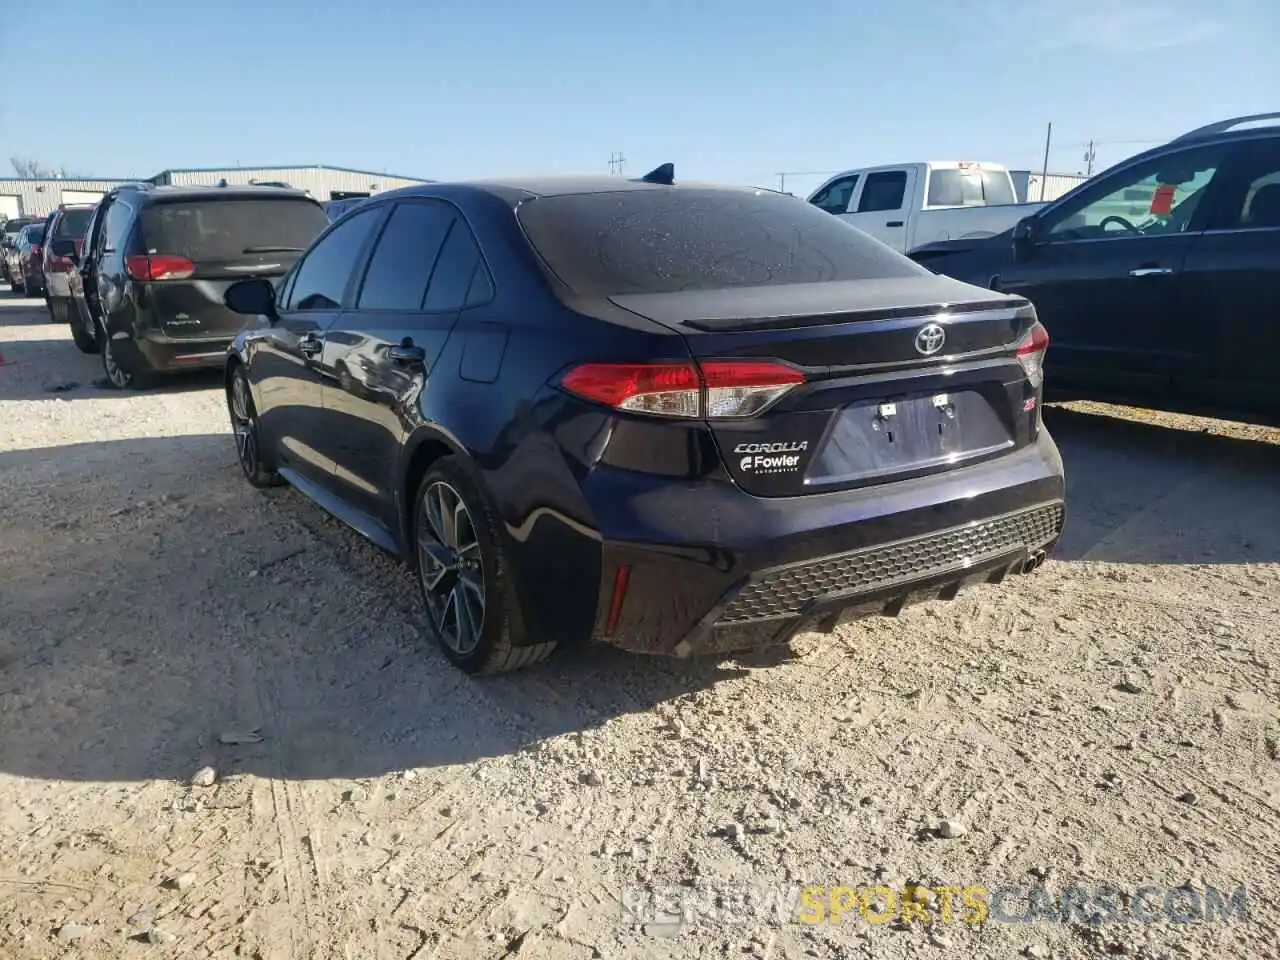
{"points": [[201, 192], [516, 189]]}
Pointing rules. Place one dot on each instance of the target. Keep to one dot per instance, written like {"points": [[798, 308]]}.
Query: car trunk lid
{"points": [[903, 377]]}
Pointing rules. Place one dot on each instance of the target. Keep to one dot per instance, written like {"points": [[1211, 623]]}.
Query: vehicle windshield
{"points": [[227, 229], [73, 223], [664, 240], [969, 187]]}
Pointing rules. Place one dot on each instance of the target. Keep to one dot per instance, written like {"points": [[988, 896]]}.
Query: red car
{"points": [[68, 222], [29, 268]]}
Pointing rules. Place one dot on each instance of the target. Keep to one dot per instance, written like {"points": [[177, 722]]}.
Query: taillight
{"points": [[713, 388], [159, 267], [35, 249], [1031, 351]]}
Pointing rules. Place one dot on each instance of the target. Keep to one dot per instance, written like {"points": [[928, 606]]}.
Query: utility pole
{"points": [[1089, 156], [1044, 172], [616, 160]]}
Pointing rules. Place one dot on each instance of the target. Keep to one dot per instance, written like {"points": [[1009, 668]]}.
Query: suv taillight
{"points": [[1031, 352], [713, 388], [35, 249], [159, 267]]}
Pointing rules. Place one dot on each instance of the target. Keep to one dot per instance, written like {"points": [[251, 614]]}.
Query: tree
{"points": [[27, 167]]}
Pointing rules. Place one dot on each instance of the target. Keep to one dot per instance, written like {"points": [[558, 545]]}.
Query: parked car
{"points": [[157, 260], [28, 272], [8, 244], [1159, 278], [674, 418], [68, 222], [908, 205]]}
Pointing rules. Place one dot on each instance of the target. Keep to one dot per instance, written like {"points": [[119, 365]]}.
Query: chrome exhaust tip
{"points": [[1034, 561]]}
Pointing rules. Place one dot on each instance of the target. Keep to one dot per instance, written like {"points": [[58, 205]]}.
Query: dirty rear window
{"points": [[35, 233], [670, 239], [73, 223], [226, 229]]}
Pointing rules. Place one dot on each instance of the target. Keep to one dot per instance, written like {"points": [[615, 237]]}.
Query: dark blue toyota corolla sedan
{"points": [[675, 417]]}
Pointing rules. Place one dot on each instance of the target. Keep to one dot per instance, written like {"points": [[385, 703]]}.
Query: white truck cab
{"points": [[908, 205]]}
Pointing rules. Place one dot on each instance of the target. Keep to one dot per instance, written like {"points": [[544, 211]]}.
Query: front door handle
{"points": [[894, 223], [310, 346], [1151, 271], [407, 353]]}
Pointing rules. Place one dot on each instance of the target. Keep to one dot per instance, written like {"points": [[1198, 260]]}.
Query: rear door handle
{"points": [[1150, 271], [310, 346], [894, 223], [407, 353]]}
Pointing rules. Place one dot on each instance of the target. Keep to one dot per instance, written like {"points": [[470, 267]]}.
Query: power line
{"points": [[616, 162]]}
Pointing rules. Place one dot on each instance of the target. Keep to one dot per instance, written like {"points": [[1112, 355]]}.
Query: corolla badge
{"points": [[930, 339]]}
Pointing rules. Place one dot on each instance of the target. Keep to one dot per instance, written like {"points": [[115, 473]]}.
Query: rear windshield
{"points": [[73, 223], [36, 234], [229, 229], [969, 188], [666, 240]]}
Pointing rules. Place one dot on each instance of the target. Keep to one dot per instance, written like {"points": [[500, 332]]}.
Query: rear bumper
{"points": [[712, 568], [163, 354]]}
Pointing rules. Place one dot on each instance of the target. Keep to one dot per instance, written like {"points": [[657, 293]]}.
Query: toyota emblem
{"points": [[930, 338]]}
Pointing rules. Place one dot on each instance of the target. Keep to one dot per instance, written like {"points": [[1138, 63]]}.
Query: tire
{"points": [[468, 579], [244, 424], [18, 286], [58, 309], [85, 341], [123, 373]]}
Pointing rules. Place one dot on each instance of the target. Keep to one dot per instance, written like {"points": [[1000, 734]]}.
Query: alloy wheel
{"points": [[451, 568], [115, 373], [244, 425]]}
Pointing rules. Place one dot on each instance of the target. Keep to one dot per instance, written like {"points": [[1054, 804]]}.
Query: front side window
{"points": [[835, 196], [1154, 198], [322, 277], [688, 238], [883, 191]]}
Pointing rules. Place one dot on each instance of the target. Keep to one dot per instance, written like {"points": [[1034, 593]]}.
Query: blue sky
{"points": [[734, 91]]}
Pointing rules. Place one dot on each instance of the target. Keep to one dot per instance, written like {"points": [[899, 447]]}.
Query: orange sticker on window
{"points": [[1162, 201]]}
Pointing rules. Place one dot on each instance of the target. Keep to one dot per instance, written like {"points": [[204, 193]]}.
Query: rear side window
{"points": [[73, 223], [883, 191], [227, 229], [969, 187], [401, 265], [665, 240], [453, 281]]}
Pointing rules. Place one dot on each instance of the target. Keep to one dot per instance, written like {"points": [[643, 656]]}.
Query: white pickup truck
{"points": [[908, 205]]}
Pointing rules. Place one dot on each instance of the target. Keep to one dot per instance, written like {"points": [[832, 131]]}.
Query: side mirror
{"points": [[64, 248], [254, 297], [1025, 233]]}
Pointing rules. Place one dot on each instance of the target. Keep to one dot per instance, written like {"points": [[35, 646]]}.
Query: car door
{"points": [[1231, 287], [381, 352], [284, 367], [1104, 271], [76, 280], [880, 206]]}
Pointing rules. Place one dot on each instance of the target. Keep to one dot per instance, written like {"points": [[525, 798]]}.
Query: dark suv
{"points": [[1160, 278], [679, 419], [156, 260]]}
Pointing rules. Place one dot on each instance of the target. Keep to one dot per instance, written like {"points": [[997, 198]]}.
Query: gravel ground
{"points": [[1108, 721]]}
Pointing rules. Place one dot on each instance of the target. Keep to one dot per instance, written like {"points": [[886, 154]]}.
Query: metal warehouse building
{"points": [[21, 197], [1027, 185]]}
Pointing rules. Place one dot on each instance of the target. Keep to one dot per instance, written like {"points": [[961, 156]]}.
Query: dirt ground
{"points": [[1109, 721]]}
